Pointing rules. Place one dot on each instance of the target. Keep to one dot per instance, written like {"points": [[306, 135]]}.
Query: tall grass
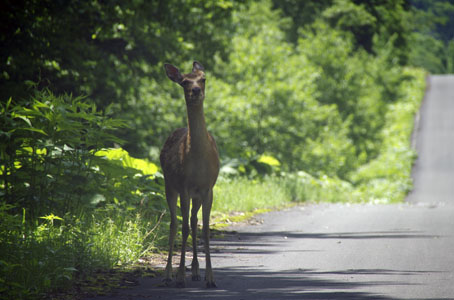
{"points": [[50, 256], [242, 194]]}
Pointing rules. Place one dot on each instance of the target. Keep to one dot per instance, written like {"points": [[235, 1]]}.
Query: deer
{"points": [[190, 163]]}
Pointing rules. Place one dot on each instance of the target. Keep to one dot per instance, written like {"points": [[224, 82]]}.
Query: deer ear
{"points": [[196, 66], [173, 73]]}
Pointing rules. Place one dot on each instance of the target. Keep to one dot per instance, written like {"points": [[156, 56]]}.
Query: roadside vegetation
{"points": [[309, 101]]}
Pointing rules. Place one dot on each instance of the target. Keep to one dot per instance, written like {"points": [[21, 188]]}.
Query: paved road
{"points": [[363, 252]]}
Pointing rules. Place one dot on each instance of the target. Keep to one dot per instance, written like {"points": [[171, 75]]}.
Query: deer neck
{"points": [[198, 134]]}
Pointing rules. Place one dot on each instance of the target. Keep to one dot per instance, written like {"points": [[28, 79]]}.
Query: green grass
{"points": [[50, 257], [247, 196], [241, 194]]}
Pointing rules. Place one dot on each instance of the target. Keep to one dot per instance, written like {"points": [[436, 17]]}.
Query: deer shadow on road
{"points": [[246, 282]]}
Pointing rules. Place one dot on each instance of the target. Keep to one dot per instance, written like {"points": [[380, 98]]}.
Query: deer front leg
{"points": [[206, 210], [184, 203], [172, 197], [196, 203]]}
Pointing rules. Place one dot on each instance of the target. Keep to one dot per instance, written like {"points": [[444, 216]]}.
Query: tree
{"points": [[103, 49], [432, 40]]}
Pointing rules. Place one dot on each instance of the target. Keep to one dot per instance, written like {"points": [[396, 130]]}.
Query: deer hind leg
{"points": [[206, 210], [196, 203], [172, 197], [184, 203]]}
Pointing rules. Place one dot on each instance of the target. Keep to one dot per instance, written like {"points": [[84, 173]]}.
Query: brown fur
{"points": [[190, 162]]}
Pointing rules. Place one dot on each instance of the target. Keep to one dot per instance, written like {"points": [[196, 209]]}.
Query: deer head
{"points": [[193, 83]]}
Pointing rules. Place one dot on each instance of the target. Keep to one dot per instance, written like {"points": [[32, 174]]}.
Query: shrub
{"points": [[69, 205]]}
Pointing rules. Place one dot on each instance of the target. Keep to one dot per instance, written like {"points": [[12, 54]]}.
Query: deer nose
{"points": [[196, 91]]}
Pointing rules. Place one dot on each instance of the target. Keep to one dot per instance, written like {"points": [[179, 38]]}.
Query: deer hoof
{"points": [[211, 284]]}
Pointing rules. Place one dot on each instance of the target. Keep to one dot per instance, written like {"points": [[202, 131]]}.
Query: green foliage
{"points": [[324, 99], [373, 23], [387, 178], [432, 39], [52, 255], [118, 154], [302, 13], [69, 205], [251, 166], [47, 152], [241, 194], [98, 48], [244, 195], [265, 103], [302, 186], [106, 49], [52, 160], [440, 58]]}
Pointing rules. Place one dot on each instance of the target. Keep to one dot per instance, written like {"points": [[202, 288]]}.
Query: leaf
{"points": [[29, 129], [8, 103], [269, 160], [27, 120], [70, 269], [97, 198], [119, 154], [39, 104], [28, 112], [51, 217]]}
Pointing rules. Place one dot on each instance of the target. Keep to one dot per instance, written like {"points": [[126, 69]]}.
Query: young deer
{"points": [[190, 163]]}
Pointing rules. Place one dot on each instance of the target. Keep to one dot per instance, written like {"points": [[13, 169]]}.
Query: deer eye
{"points": [[202, 80], [185, 82]]}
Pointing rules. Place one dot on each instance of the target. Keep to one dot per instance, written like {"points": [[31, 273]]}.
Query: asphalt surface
{"points": [[402, 251]]}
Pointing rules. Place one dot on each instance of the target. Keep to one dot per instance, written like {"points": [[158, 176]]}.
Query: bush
{"points": [[387, 178], [69, 204], [47, 151], [52, 160]]}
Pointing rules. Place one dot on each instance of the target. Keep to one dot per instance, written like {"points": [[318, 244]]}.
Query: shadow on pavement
{"points": [[244, 282]]}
